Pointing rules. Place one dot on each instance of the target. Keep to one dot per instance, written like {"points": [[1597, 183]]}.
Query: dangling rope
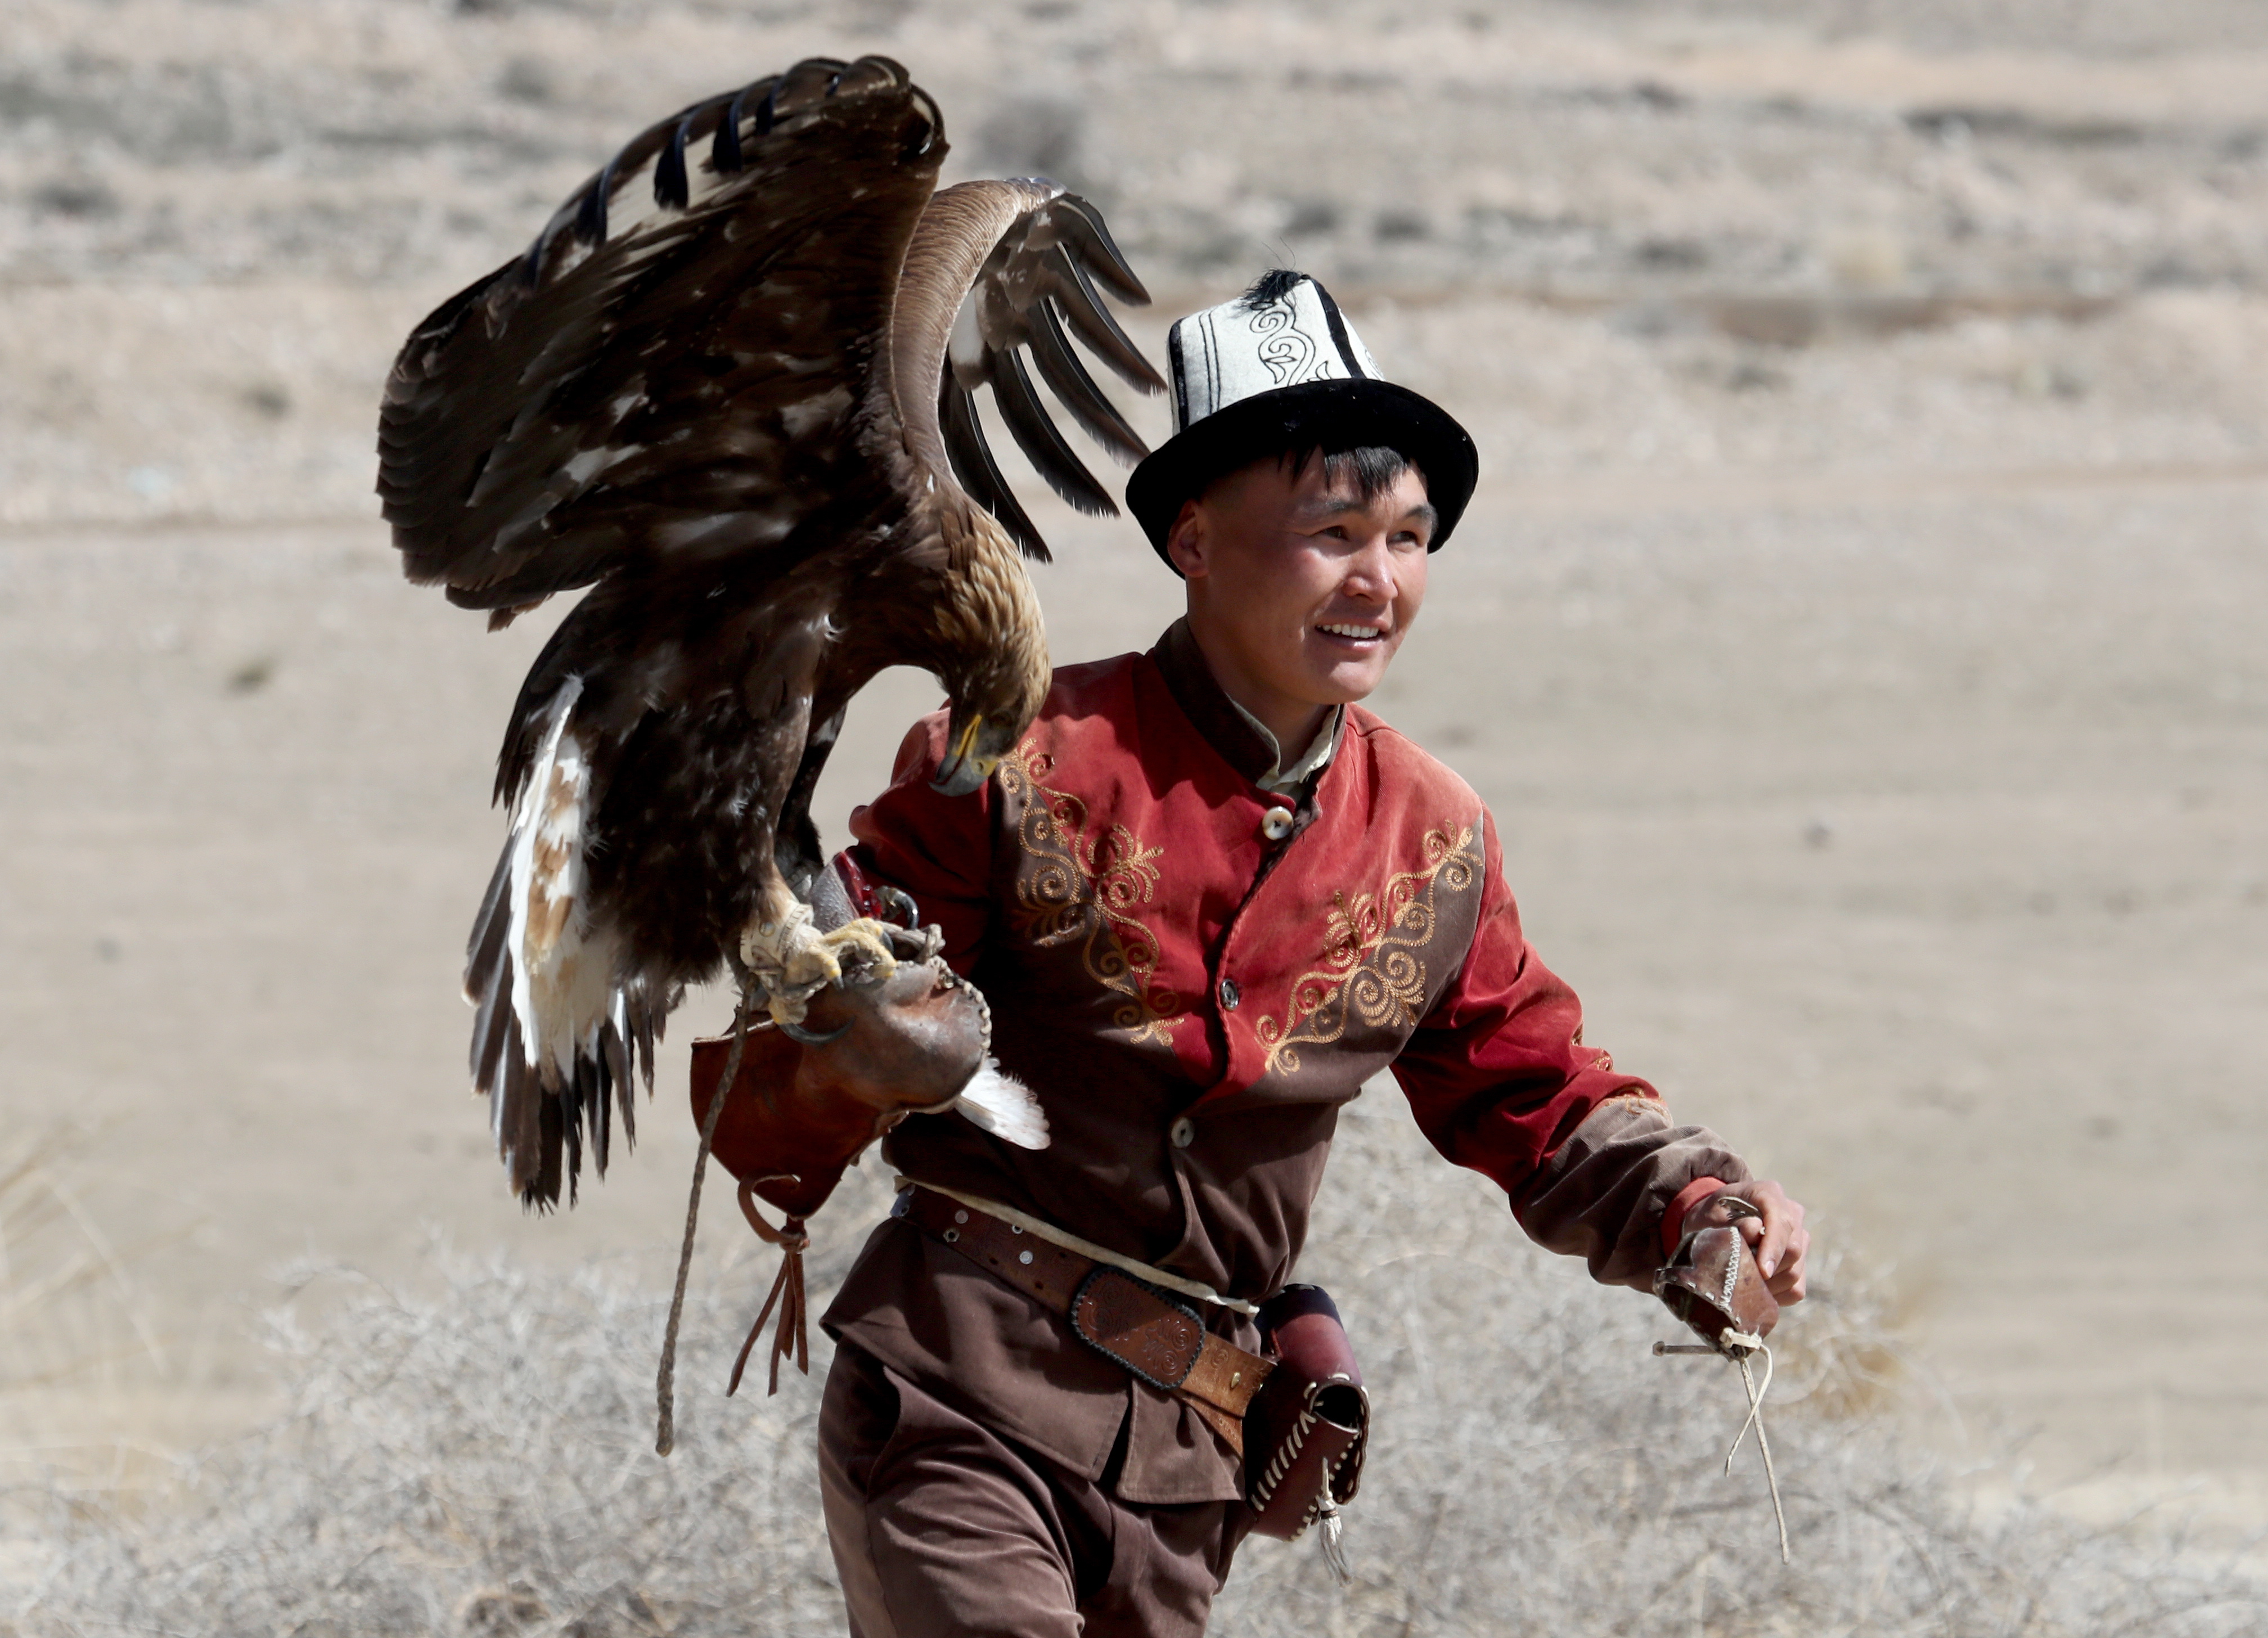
{"points": [[1739, 1346], [791, 1337], [1756, 1392], [665, 1386]]}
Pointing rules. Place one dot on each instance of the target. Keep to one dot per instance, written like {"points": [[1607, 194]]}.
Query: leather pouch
{"points": [[1305, 1430]]}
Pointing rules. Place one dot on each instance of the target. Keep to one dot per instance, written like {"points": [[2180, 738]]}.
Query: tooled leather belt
{"points": [[1155, 1334]]}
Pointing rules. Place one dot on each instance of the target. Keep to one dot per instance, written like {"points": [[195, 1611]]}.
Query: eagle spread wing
{"points": [[744, 418]]}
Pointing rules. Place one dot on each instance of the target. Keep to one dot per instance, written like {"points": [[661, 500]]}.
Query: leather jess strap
{"points": [[1151, 1332]]}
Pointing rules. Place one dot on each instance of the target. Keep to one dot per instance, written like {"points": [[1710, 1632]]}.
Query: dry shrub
{"points": [[68, 1308], [480, 1461]]}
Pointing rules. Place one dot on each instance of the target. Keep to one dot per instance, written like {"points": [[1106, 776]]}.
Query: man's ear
{"points": [[1185, 541]]}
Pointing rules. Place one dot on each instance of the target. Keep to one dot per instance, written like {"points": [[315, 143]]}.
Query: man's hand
{"points": [[1778, 1236]]}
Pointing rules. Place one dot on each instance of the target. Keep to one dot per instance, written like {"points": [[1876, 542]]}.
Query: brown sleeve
{"points": [[1602, 1194]]}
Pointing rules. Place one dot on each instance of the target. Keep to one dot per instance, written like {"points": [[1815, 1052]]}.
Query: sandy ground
{"points": [[1857, 635]]}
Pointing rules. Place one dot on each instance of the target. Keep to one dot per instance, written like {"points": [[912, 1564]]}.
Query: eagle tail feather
{"points": [[613, 1043], [560, 1031], [491, 924]]}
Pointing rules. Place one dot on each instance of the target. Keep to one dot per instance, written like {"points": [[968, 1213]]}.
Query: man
{"points": [[1208, 897]]}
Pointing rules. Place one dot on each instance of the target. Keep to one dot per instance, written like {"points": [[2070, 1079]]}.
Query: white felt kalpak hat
{"points": [[1280, 370]]}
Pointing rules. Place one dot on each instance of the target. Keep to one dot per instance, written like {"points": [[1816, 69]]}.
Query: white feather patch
{"points": [[1004, 1106], [966, 345], [563, 972]]}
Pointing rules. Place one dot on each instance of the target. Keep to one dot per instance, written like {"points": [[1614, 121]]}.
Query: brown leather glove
{"points": [[1713, 1282], [801, 1110]]}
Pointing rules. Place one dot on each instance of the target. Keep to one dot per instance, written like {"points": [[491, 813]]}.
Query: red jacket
{"points": [[1192, 999]]}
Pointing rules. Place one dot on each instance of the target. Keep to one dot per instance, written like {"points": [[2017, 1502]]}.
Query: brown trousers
{"points": [[943, 1529]]}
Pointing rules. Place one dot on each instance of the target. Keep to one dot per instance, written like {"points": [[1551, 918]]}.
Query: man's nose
{"points": [[1370, 572]]}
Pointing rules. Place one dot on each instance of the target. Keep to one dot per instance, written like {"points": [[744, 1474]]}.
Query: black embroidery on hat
{"points": [[1281, 344], [1181, 383], [1213, 385], [1339, 336]]}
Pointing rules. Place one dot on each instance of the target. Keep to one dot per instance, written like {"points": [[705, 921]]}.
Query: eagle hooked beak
{"points": [[973, 749]]}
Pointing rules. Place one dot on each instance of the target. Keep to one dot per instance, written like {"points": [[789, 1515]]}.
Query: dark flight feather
{"points": [[673, 190], [1081, 227], [1074, 292], [1036, 436], [725, 153], [1068, 378], [980, 474]]}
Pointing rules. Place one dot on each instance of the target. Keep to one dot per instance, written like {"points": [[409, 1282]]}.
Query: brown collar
{"points": [[1190, 681]]}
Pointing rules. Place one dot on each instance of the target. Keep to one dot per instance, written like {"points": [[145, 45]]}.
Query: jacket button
{"points": [[1184, 1132], [1228, 995], [1276, 823]]}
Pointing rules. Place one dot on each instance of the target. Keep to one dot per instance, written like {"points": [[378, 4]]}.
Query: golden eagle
{"points": [[745, 420]]}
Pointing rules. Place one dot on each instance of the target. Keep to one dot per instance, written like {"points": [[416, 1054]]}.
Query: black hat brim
{"points": [[1330, 416]]}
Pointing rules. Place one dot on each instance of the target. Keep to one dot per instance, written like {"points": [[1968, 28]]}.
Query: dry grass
{"points": [[68, 1308], [478, 1461]]}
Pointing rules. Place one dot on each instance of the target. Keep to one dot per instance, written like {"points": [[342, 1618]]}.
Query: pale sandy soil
{"points": [[1877, 716]]}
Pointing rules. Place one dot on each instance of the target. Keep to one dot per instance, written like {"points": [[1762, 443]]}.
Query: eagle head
{"points": [[995, 696], [974, 744]]}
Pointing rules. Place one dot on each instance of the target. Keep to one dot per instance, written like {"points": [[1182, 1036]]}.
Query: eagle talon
{"points": [[917, 944], [863, 951], [794, 960]]}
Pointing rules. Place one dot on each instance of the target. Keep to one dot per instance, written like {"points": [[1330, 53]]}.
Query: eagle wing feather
{"points": [[997, 270], [684, 387]]}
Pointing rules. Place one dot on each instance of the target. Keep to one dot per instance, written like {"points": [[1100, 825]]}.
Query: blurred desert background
{"points": [[1860, 635]]}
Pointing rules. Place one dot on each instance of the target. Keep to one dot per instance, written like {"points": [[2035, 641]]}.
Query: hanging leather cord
{"points": [[791, 1336], [665, 1386]]}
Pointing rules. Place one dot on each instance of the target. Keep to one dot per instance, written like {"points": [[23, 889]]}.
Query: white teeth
{"points": [[1351, 631]]}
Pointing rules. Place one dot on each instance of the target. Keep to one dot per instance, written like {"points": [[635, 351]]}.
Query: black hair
{"points": [[1371, 469]]}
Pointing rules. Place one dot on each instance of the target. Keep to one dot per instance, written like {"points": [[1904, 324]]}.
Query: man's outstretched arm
{"points": [[1501, 1081]]}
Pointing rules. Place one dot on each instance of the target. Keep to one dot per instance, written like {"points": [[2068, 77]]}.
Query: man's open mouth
{"points": [[1352, 633]]}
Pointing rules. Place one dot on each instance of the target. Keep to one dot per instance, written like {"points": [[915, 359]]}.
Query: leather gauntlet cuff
{"points": [[1711, 1281]]}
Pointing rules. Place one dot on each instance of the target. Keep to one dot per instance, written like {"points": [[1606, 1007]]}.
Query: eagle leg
{"points": [[793, 960]]}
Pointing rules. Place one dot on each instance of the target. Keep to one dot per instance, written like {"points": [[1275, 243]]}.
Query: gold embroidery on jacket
{"points": [[1374, 970], [1089, 889]]}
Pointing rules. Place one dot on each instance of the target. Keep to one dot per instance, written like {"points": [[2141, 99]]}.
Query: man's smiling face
{"points": [[1300, 590]]}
